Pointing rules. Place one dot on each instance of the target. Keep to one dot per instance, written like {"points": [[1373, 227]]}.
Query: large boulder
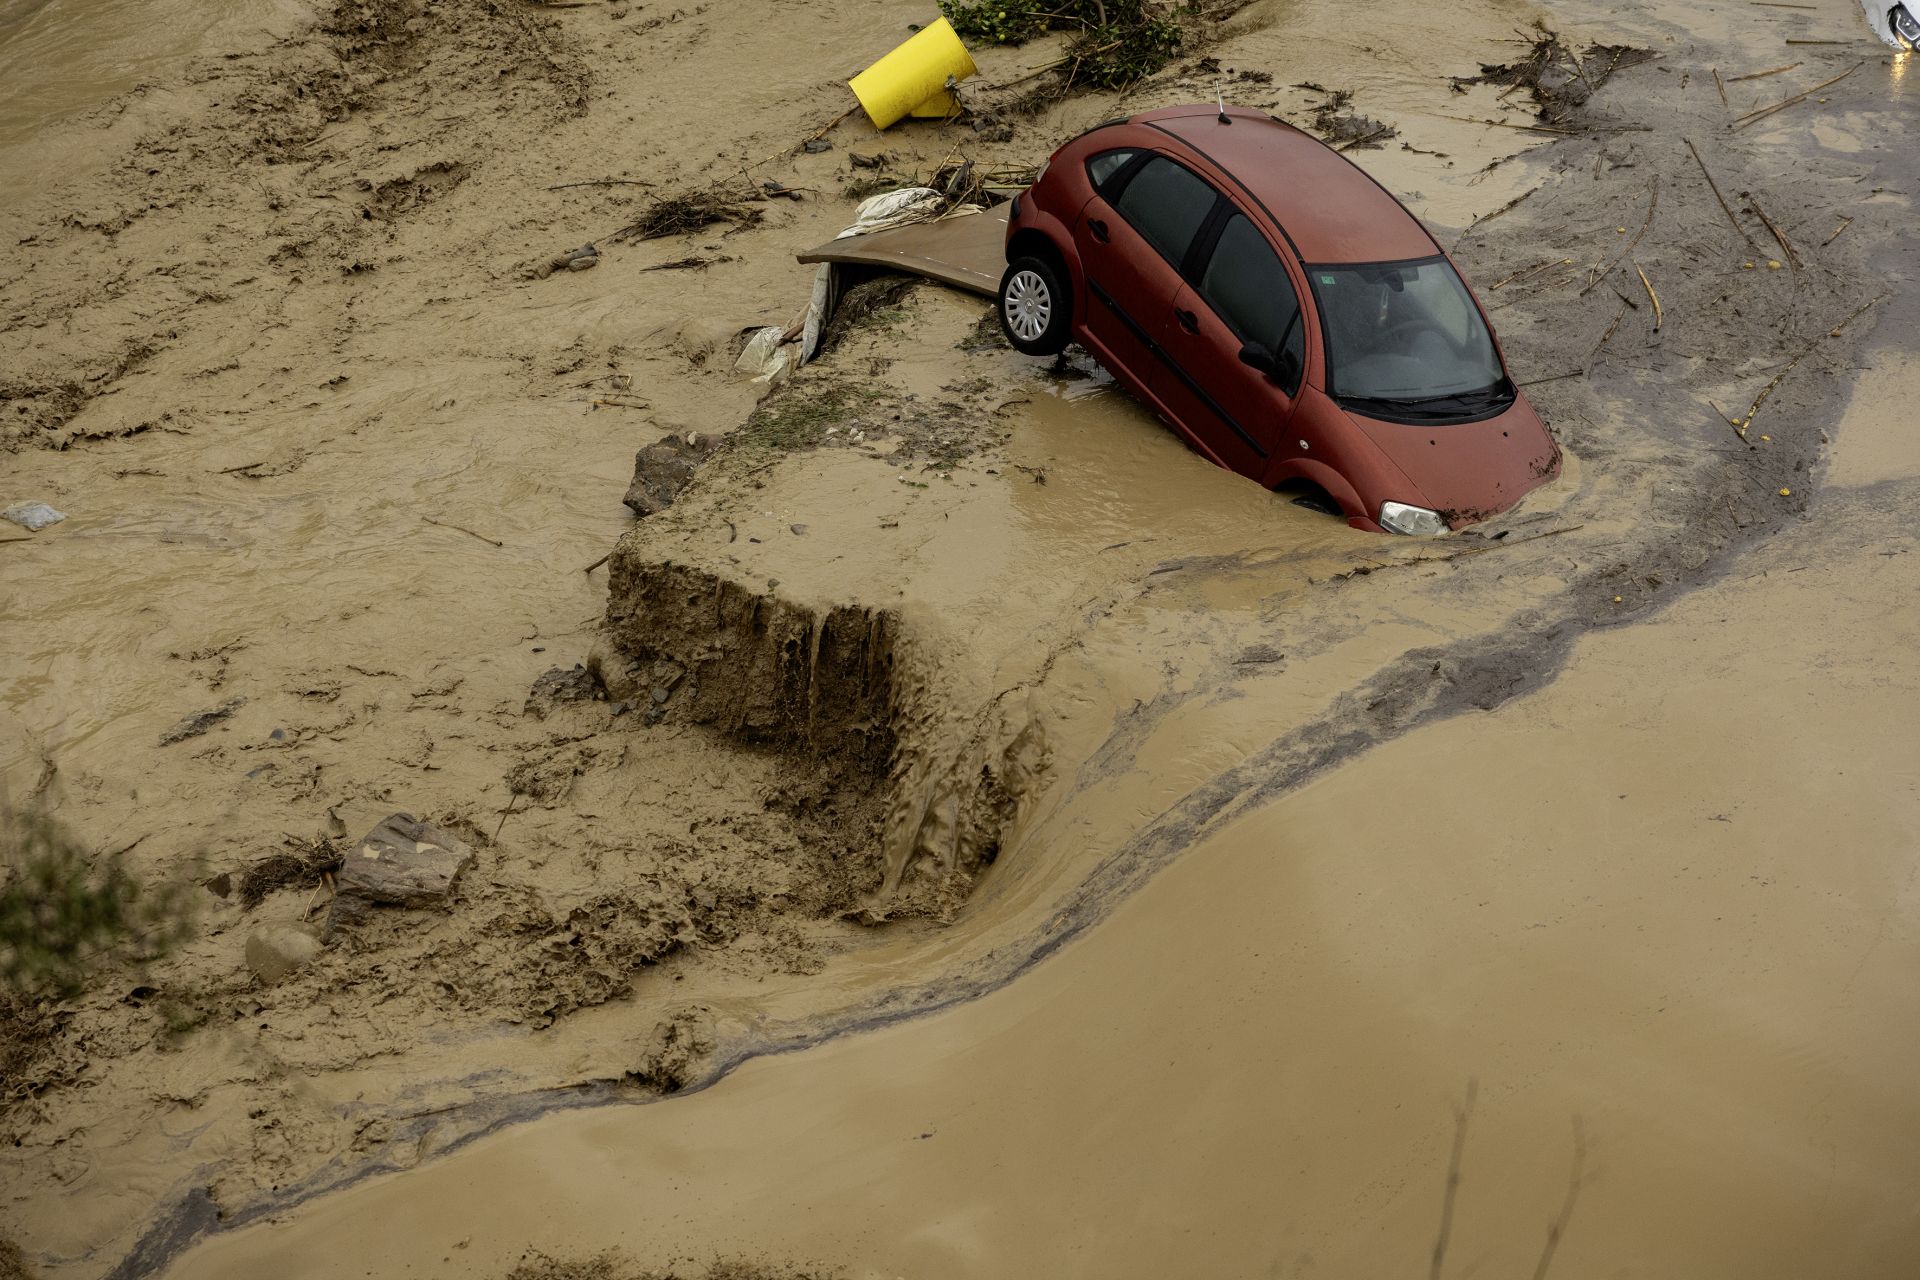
{"points": [[402, 862]]}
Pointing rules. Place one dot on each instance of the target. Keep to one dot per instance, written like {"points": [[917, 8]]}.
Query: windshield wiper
{"points": [[1465, 401]]}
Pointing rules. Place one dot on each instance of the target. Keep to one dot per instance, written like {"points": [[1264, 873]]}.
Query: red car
{"points": [[1177, 246]]}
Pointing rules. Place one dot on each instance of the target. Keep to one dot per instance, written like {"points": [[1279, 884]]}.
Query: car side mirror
{"points": [[1256, 356], [1287, 368]]}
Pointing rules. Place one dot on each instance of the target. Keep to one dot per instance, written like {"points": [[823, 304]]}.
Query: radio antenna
{"points": [[1220, 96]]}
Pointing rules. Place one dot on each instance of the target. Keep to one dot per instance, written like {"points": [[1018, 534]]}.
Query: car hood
{"points": [[1468, 471]]}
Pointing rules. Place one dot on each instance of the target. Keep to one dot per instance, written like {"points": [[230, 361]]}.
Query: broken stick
{"points": [[1651, 294], [458, 529], [1715, 187]]}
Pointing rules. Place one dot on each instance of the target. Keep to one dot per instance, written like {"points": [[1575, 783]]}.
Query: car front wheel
{"points": [[1035, 309]]}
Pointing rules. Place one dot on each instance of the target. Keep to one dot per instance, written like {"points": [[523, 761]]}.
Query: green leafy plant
{"points": [[1116, 42], [65, 911]]}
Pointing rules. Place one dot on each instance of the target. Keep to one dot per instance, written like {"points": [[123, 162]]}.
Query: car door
{"points": [[1132, 237], [1240, 293]]}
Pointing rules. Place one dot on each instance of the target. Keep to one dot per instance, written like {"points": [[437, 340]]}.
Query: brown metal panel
{"points": [[967, 252]]}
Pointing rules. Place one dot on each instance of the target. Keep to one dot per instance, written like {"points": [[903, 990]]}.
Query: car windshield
{"points": [[1406, 337]]}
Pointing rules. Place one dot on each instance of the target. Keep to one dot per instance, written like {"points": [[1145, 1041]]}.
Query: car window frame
{"points": [[1207, 241], [1117, 187]]}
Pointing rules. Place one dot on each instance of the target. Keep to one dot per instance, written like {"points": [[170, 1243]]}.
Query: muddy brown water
{"points": [[1666, 925], [1670, 896]]}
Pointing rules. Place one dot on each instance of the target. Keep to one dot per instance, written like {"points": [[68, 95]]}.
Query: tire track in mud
{"points": [[1692, 532]]}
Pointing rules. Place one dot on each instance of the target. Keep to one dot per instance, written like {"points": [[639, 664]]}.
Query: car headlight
{"points": [[1417, 522], [1904, 25]]}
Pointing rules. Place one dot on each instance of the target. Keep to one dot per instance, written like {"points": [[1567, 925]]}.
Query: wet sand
{"points": [[1275, 1024]]}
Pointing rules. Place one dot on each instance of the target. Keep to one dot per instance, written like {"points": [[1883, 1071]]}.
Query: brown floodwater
{"points": [[62, 59], [1666, 927]]}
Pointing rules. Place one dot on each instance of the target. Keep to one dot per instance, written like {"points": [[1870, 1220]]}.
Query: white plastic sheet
{"points": [[767, 357]]}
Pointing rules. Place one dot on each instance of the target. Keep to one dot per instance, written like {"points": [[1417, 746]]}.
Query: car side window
{"points": [[1104, 166], [1166, 204], [1248, 286]]}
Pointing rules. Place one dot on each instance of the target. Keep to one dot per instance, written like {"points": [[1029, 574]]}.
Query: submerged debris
{"points": [[1558, 79], [558, 685], [300, 865], [690, 211], [1340, 126], [201, 721]]}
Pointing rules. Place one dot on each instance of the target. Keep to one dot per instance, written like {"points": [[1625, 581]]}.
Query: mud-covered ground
{"points": [[283, 339]]}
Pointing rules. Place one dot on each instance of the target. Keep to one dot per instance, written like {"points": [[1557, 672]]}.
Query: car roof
{"points": [[1328, 207]]}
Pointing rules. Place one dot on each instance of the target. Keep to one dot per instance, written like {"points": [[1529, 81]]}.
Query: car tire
{"points": [[1036, 311]]}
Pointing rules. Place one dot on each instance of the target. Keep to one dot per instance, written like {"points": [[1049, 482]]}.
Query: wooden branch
{"points": [[1770, 71], [1753, 117], [1724, 206], [1786, 245], [458, 529], [1651, 294], [1653, 202]]}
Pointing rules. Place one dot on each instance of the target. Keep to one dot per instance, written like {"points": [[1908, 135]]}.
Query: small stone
{"points": [[221, 886], [276, 950], [814, 146], [583, 264], [32, 516], [660, 694]]}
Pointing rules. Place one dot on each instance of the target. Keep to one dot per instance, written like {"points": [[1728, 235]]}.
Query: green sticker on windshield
{"points": [[1326, 279]]}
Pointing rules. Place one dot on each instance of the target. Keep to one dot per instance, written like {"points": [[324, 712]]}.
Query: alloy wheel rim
{"points": [[1029, 305]]}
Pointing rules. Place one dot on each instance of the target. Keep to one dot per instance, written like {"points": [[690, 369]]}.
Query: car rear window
{"points": [[1248, 286], [1166, 204]]}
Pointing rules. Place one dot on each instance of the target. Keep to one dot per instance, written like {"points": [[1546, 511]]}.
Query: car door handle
{"points": [[1099, 230], [1188, 321]]}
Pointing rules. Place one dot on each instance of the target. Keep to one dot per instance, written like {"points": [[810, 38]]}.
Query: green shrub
{"points": [[1117, 41], [64, 911]]}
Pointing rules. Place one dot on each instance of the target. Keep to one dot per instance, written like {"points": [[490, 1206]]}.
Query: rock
{"points": [[663, 469], [32, 516], [558, 685], [584, 262], [402, 862], [221, 886], [276, 950], [201, 721], [814, 146], [620, 675]]}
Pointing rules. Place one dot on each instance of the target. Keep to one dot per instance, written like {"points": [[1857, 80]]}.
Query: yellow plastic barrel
{"points": [[913, 75]]}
